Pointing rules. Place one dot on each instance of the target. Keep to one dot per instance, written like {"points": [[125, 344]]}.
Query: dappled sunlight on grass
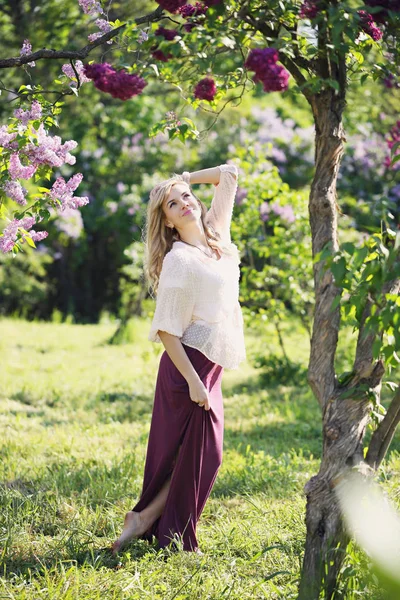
{"points": [[75, 416]]}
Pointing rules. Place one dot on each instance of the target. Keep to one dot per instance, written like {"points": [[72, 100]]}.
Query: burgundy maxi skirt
{"points": [[178, 421]]}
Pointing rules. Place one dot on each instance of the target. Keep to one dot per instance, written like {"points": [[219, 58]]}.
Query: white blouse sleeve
{"points": [[220, 214], [175, 297]]}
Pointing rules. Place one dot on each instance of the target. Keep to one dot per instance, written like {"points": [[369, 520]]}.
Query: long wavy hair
{"points": [[158, 238]]}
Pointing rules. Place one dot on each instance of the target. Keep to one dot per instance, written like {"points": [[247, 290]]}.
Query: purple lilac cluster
{"points": [[385, 5], [70, 222], [263, 61], [50, 150], [285, 212], [205, 89], [7, 139], [104, 27], [191, 11], [368, 25], [390, 81], [309, 9], [44, 150], [90, 7], [27, 49], [69, 72], [10, 233], [171, 6], [117, 83], [168, 34], [64, 192], [34, 113]]}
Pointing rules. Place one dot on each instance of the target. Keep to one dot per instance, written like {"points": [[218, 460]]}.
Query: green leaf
{"points": [[30, 241]]}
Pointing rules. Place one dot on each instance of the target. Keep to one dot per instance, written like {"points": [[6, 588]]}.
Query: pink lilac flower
{"points": [[265, 209], [27, 49], [38, 236], [205, 89], [286, 212], [104, 27], [50, 150], [6, 139], [241, 194], [143, 37], [90, 7], [70, 222], [17, 170], [34, 113], [171, 6], [117, 83], [64, 192], [16, 192], [69, 72], [168, 34], [10, 233], [368, 25]]}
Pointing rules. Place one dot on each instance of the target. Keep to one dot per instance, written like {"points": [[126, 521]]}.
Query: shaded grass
{"points": [[75, 415]]}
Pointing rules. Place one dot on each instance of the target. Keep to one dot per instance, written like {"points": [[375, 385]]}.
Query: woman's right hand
{"points": [[198, 393]]}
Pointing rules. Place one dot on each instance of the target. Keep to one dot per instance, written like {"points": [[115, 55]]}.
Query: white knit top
{"points": [[198, 296]]}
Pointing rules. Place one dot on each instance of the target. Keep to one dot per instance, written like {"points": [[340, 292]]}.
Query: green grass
{"points": [[75, 416]]}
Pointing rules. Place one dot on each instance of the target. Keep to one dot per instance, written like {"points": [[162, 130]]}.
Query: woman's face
{"points": [[181, 207]]}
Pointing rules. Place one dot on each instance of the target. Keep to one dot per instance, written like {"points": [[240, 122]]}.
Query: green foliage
{"points": [[275, 254], [362, 273], [25, 288]]}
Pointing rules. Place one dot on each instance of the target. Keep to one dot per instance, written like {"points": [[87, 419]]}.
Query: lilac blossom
{"points": [[90, 7], [104, 27], [34, 113], [17, 170], [10, 233], [27, 49], [6, 138], [70, 222], [69, 72], [205, 89], [121, 187], [241, 194], [143, 37], [368, 25], [15, 191], [64, 192], [50, 150], [265, 209]]}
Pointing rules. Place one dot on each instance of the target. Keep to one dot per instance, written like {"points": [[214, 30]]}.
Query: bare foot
{"points": [[134, 526]]}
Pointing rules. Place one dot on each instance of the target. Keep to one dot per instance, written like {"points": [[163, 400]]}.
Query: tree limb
{"points": [[18, 61], [383, 434]]}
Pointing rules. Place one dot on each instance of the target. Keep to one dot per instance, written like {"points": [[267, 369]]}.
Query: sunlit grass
{"points": [[75, 416]]}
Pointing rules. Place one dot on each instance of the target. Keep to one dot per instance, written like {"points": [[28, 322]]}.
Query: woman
{"points": [[193, 266]]}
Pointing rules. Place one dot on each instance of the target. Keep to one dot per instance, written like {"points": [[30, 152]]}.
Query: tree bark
{"points": [[345, 407]]}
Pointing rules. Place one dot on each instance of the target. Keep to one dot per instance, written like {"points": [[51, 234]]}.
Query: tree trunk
{"points": [[343, 421]]}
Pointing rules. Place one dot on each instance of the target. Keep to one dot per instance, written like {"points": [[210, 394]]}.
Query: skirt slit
{"points": [[185, 441]]}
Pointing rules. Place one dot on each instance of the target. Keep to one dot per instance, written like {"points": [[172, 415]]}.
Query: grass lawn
{"points": [[75, 416]]}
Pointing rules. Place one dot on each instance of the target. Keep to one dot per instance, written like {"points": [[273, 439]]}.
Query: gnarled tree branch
{"points": [[384, 433], [45, 53]]}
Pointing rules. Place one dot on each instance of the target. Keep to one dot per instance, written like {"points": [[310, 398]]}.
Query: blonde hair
{"points": [[158, 238]]}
